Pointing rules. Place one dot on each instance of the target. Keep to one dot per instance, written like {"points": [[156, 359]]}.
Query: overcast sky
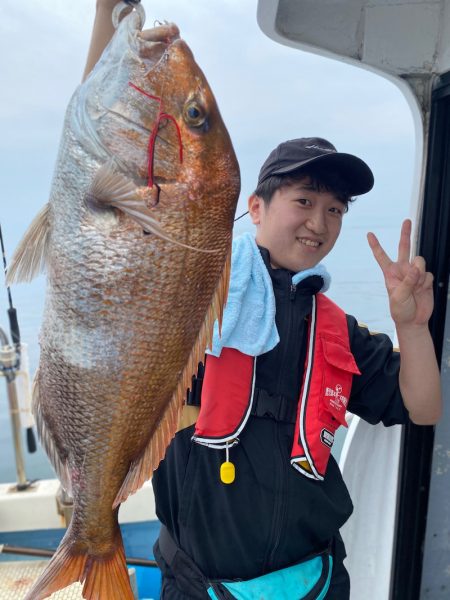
{"points": [[266, 93]]}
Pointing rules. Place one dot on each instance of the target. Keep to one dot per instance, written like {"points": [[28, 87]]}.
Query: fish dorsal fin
{"points": [[110, 188], [142, 469], [47, 440], [30, 256]]}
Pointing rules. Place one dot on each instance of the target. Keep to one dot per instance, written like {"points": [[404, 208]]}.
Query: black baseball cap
{"points": [[295, 154]]}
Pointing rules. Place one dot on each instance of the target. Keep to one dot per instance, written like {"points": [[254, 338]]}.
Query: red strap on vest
{"points": [[327, 382], [226, 396]]}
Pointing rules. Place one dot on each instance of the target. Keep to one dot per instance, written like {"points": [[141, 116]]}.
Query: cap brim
{"points": [[354, 171]]}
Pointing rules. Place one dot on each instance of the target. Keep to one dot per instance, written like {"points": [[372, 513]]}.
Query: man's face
{"points": [[300, 225]]}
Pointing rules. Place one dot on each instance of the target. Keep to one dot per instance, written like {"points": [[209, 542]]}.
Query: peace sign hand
{"points": [[409, 286]]}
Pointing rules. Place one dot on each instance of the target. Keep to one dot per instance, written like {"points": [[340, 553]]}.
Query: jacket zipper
{"points": [[280, 491], [279, 509], [287, 330], [292, 292]]}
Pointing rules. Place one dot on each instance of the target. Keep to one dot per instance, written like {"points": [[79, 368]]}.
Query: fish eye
{"points": [[194, 114]]}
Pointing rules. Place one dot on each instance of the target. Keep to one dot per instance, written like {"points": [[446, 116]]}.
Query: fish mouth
{"points": [[154, 44], [164, 33]]}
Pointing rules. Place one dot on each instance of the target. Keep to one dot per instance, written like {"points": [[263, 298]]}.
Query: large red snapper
{"points": [[135, 240]]}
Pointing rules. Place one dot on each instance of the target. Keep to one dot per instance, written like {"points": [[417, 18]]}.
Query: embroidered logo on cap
{"points": [[320, 148], [326, 437]]}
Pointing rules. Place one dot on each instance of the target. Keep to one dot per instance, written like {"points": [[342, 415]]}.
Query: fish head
{"points": [[153, 111], [192, 149]]}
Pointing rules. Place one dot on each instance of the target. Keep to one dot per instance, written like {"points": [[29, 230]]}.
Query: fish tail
{"points": [[107, 578], [103, 577], [64, 568]]}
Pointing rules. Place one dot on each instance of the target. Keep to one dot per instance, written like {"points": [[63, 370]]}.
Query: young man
{"points": [[288, 500], [252, 489]]}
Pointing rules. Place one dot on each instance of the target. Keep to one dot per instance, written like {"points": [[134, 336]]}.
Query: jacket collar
{"points": [[311, 284]]}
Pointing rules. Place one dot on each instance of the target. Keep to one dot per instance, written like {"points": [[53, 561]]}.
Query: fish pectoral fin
{"points": [[112, 189], [30, 256]]}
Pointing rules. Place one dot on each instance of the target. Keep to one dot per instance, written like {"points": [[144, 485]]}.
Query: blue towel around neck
{"points": [[249, 316]]}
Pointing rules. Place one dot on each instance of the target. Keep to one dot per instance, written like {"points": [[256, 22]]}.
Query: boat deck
{"points": [[17, 577]]}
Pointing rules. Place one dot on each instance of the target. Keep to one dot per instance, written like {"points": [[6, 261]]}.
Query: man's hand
{"points": [[411, 302], [108, 4], [409, 286], [102, 32]]}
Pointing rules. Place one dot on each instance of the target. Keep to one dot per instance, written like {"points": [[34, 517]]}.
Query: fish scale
{"points": [[128, 315]]}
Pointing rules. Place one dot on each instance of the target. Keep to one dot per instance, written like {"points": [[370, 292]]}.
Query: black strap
{"points": [[277, 407], [194, 393], [189, 579], [167, 546]]}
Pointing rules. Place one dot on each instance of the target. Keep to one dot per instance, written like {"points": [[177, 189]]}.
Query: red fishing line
{"points": [[152, 139]]}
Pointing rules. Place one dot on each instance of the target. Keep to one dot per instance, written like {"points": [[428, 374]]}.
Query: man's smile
{"points": [[309, 242]]}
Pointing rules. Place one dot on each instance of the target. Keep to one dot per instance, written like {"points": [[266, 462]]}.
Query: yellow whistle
{"points": [[227, 472]]}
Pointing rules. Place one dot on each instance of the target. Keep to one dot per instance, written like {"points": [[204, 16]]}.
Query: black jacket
{"points": [[271, 516]]}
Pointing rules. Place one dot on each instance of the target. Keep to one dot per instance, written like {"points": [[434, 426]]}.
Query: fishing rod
{"points": [[10, 363], [12, 313], [243, 215], [27, 551]]}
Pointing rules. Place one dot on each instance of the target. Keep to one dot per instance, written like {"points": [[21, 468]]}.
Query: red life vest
{"points": [[229, 382]]}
